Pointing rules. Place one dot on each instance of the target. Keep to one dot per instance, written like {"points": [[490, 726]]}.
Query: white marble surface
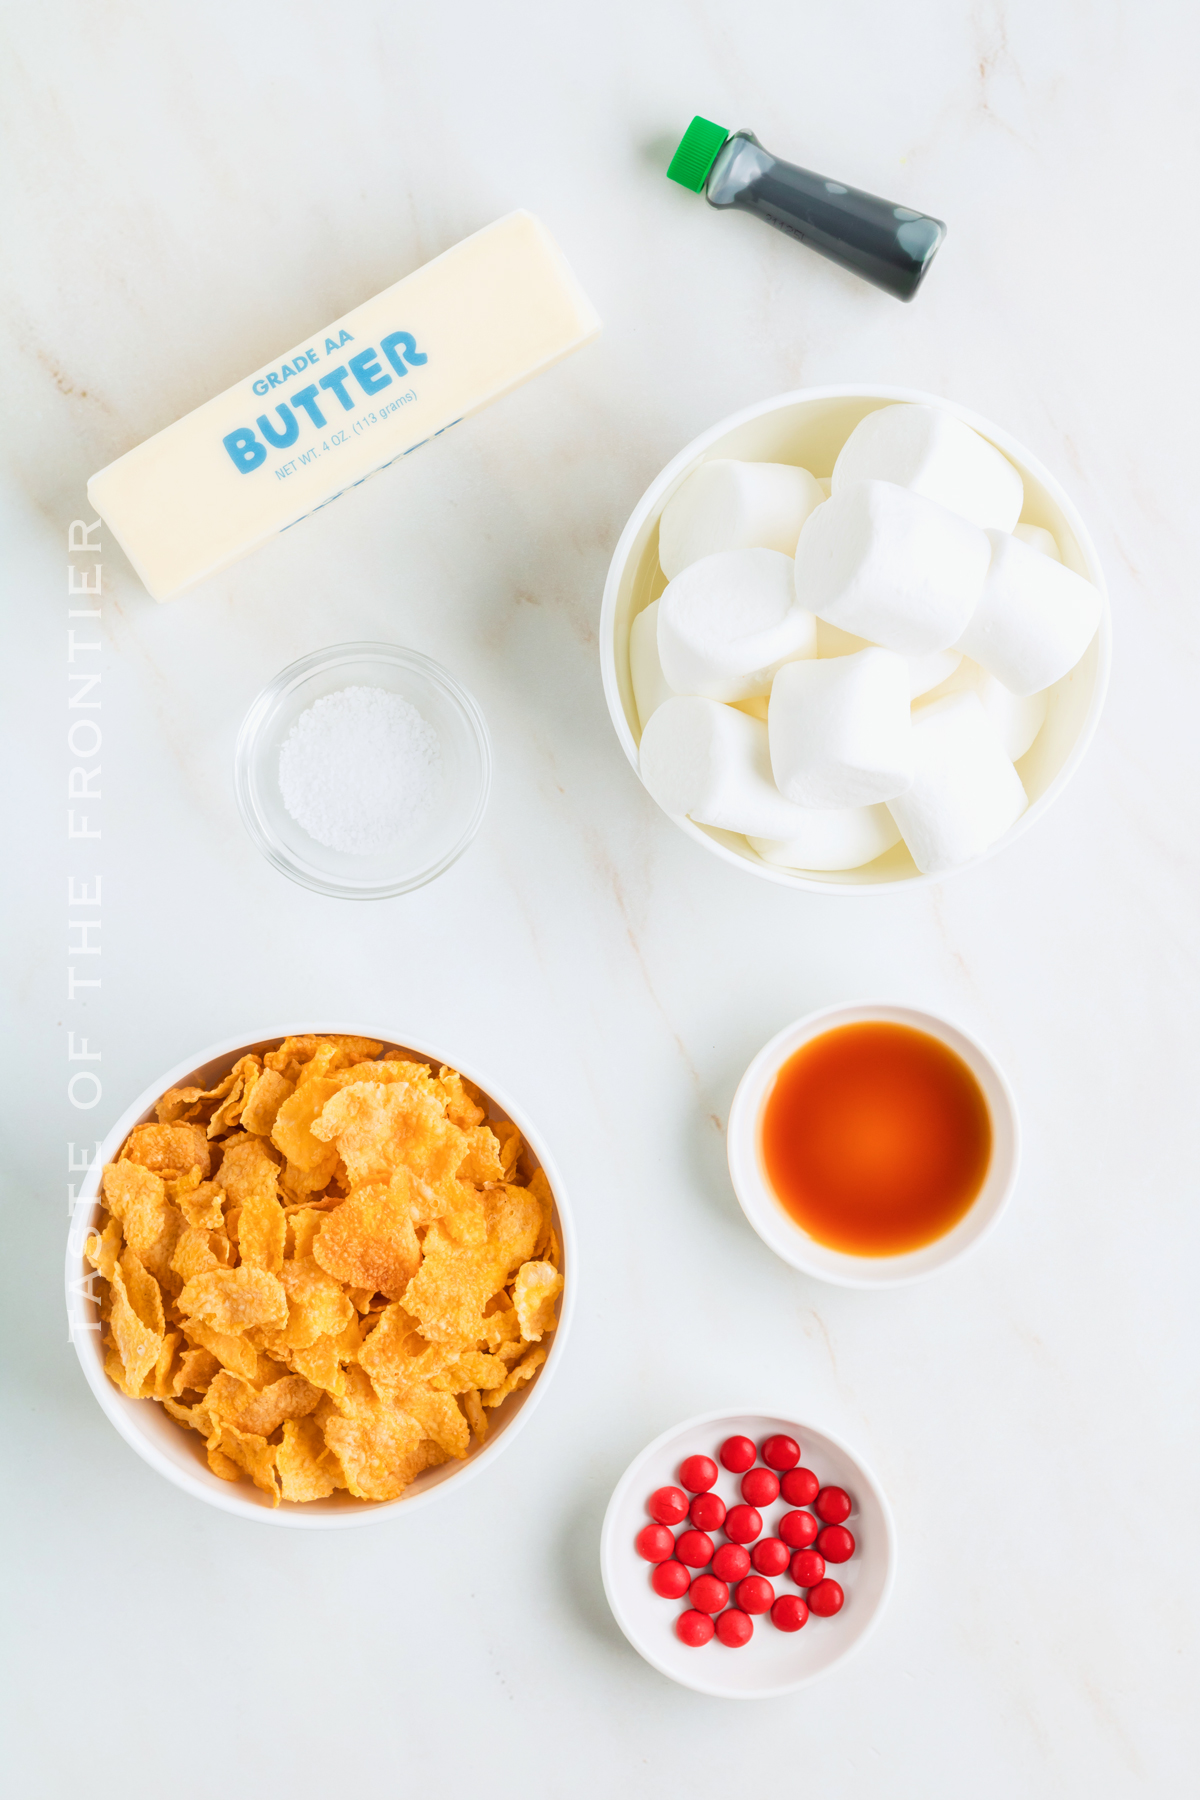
{"points": [[189, 191]]}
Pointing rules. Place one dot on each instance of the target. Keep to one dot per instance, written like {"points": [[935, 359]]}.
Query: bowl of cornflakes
{"points": [[314, 1277]]}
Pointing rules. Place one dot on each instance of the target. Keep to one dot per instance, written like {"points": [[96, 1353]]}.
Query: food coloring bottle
{"points": [[888, 245]]}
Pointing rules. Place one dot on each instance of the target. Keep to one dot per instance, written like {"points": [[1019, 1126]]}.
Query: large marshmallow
{"points": [[935, 454], [650, 685], [1034, 620], [1017, 717], [836, 838], [708, 762], [891, 566], [1040, 539], [929, 671], [725, 505], [726, 624], [924, 672], [840, 730], [965, 792]]}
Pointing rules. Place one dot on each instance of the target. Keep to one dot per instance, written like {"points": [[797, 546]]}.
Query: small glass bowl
{"points": [[465, 782]]}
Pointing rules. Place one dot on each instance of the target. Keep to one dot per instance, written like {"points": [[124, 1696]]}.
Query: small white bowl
{"points": [[776, 1227], [177, 1453], [466, 774], [809, 427], [773, 1662]]}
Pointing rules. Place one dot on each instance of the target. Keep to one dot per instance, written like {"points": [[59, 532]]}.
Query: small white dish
{"points": [[809, 427], [179, 1454], [464, 782], [773, 1662], [776, 1227]]}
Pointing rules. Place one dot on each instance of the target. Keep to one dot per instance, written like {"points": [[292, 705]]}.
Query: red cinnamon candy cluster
{"points": [[728, 1584]]}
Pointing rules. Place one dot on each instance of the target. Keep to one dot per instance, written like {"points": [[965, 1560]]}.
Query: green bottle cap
{"points": [[697, 153]]}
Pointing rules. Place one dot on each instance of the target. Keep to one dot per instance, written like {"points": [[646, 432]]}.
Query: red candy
{"points": [[655, 1543], [833, 1505], [789, 1613], [770, 1556], [735, 1628], [731, 1562], [825, 1599], [698, 1473], [668, 1505], [707, 1512], [781, 1452], [799, 1487], [798, 1529], [737, 1454], [693, 1629], [807, 1568], [754, 1594], [836, 1544], [760, 1487], [742, 1524], [707, 1594], [670, 1579], [692, 1547]]}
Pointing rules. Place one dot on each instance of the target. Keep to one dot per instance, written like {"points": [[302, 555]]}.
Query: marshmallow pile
{"points": [[837, 665]]}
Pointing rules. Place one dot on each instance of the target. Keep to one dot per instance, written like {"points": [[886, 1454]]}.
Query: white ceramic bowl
{"points": [[179, 1454], [464, 782], [809, 427], [773, 1662], [776, 1227]]}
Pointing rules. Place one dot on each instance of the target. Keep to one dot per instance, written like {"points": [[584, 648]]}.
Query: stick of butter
{"points": [[444, 342]]}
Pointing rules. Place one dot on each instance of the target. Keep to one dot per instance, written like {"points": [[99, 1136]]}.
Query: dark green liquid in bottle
{"points": [[891, 246]]}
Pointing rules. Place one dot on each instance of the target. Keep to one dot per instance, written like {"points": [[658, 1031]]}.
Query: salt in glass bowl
{"points": [[436, 841]]}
